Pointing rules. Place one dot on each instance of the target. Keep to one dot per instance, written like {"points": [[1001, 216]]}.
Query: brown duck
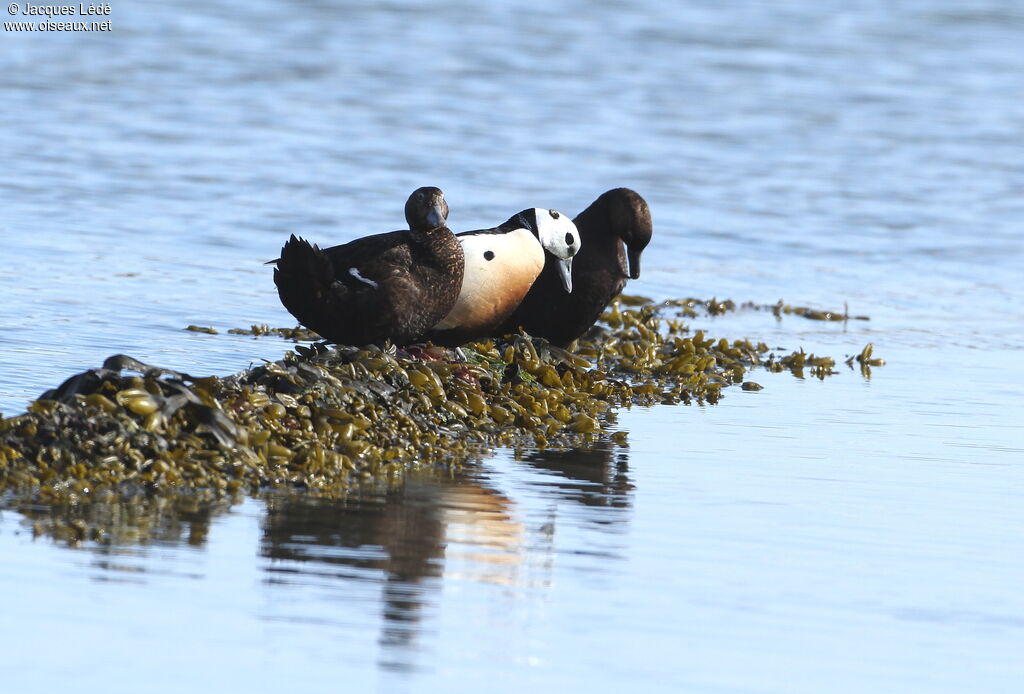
{"points": [[392, 286]]}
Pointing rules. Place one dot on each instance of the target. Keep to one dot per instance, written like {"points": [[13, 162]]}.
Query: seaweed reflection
{"points": [[141, 520]]}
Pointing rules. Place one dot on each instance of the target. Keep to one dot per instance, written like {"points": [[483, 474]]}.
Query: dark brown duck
{"points": [[392, 286], [614, 231]]}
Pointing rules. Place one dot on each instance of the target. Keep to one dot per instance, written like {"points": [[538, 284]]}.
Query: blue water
{"points": [[857, 534]]}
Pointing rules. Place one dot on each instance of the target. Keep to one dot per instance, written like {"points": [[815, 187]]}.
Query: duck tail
{"points": [[304, 277]]}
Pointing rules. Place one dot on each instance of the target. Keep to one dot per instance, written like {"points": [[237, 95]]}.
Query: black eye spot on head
{"points": [[554, 214], [488, 255], [569, 240]]}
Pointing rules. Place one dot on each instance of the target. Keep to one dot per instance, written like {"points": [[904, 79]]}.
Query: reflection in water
{"points": [[173, 519], [594, 477], [119, 535], [439, 529], [491, 525], [399, 533], [482, 530]]}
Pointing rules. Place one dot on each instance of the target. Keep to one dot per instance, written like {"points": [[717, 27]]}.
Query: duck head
{"points": [[621, 217], [629, 218], [426, 209], [557, 234]]}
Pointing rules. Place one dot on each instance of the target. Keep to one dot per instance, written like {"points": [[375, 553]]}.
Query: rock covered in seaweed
{"points": [[323, 418]]}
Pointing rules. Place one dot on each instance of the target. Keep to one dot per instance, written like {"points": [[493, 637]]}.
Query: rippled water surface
{"points": [[853, 534]]}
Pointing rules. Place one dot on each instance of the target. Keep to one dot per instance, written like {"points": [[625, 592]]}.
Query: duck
{"points": [[614, 229], [390, 287], [501, 264]]}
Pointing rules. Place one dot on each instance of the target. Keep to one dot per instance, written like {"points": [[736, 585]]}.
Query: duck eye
{"points": [[554, 214], [488, 255], [569, 240]]}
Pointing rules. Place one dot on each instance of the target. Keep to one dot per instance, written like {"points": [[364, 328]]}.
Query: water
{"points": [[854, 534]]}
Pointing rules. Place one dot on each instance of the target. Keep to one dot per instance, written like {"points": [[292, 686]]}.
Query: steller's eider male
{"points": [[501, 266], [392, 286], [614, 229]]}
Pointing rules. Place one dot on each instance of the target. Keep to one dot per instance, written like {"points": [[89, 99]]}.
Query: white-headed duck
{"points": [[501, 264], [614, 229]]}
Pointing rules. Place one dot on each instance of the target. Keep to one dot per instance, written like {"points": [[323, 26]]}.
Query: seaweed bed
{"points": [[324, 419]]}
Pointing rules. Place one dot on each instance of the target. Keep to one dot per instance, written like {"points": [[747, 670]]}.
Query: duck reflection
{"points": [[437, 527], [398, 532], [597, 476], [406, 536]]}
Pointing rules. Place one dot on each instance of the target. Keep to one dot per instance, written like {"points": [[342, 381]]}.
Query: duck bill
{"points": [[435, 216], [634, 263], [565, 272]]}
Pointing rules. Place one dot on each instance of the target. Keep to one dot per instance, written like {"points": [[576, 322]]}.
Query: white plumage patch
{"points": [[499, 270], [354, 271], [557, 234]]}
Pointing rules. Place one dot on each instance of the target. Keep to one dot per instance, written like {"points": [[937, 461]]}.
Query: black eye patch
{"points": [[569, 240], [488, 255]]}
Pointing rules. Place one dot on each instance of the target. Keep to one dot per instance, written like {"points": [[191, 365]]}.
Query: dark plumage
{"points": [[614, 230], [392, 286]]}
